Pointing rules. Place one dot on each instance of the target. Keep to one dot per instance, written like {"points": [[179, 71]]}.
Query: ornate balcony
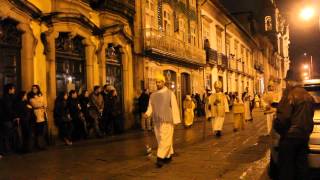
{"points": [[222, 60], [165, 46], [211, 56]]}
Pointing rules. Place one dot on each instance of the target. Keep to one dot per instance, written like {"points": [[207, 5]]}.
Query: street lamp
{"points": [[305, 66], [307, 13]]}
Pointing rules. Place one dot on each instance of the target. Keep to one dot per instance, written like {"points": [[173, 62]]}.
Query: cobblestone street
{"points": [[240, 155]]}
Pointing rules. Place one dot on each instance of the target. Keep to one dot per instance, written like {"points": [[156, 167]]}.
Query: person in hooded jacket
{"points": [[85, 105], [78, 121], [8, 119], [294, 123], [62, 118], [24, 112]]}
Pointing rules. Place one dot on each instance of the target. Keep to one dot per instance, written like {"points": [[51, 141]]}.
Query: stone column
{"points": [[127, 83], [51, 78], [102, 65], [27, 52], [89, 50]]}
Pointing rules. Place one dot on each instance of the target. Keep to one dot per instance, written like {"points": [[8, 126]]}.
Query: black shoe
{"points": [[167, 160], [218, 134], [160, 162]]}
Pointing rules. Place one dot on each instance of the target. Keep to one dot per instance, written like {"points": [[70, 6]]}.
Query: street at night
{"points": [[236, 155], [160, 89]]}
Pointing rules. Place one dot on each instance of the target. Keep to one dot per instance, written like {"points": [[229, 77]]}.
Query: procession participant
{"points": [[188, 106], [163, 108], [219, 107], [207, 105], [238, 114], [247, 109]]}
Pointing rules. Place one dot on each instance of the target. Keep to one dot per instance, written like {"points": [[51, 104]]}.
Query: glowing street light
{"points": [[305, 74], [307, 13], [306, 66]]}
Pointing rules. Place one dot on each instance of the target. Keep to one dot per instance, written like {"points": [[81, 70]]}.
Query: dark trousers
{"points": [[40, 132], [26, 132], [66, 130], [293, 159]]}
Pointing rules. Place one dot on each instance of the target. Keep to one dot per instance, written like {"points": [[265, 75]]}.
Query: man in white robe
{"points": [[219, 107], [163, 108]]}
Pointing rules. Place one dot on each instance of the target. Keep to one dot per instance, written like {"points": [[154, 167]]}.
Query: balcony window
{"points": [[219, 40], [236, 43], [167, 20], [228, 46], [193, 35], [182, 30]]}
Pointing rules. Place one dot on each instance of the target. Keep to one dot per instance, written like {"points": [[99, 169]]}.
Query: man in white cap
{"points": [[219, 106], [163, 108]]}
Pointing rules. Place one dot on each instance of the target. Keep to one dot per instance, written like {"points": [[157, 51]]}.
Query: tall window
{"points": [[70, 63], [10, 56], [193, 34], [167, 21], [236, 43], [242, 54], [219, 40], [149, 21], [182, 30], [228, 46]]}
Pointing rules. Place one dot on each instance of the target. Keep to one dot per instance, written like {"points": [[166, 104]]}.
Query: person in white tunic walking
{"points": [[163, 108], [219, 107]]}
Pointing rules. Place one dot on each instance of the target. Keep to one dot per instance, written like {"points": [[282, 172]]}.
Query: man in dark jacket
{"points": [[143, 105], [294, 123]]}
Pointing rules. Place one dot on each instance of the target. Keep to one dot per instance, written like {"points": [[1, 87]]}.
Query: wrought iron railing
{"points": [[156, 40], [211, 56]]}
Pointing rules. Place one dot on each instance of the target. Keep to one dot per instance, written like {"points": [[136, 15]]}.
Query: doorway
{"points": [[185, 85]]}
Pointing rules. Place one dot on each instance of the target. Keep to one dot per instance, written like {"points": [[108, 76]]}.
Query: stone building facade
{"points": [[264, 21], [168, 41], [63, 45], [230, 50]]}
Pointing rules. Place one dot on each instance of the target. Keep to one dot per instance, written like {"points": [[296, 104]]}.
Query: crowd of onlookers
{"points": [[23, 123]]}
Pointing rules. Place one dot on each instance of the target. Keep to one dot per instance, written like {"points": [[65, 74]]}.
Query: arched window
{"points": [[167, 19], [10, 57], [70, 63], [268, 23]]}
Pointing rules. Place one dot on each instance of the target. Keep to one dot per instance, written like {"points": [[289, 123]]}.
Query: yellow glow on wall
{"points": [[44, 6]]}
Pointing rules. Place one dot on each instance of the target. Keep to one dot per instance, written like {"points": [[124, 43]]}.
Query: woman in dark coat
{"points": [[62, 118], [24, 112], [114, 113], [85, 104], [79, 124]]}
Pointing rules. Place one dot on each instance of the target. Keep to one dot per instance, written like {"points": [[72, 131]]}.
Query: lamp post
{"points": [[309, 67]]}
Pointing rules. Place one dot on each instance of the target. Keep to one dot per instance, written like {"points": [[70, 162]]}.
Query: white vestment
{"points": [[164, 128]]}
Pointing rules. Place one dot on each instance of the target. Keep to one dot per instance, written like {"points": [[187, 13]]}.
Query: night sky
{"points": [[304, 36]]}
